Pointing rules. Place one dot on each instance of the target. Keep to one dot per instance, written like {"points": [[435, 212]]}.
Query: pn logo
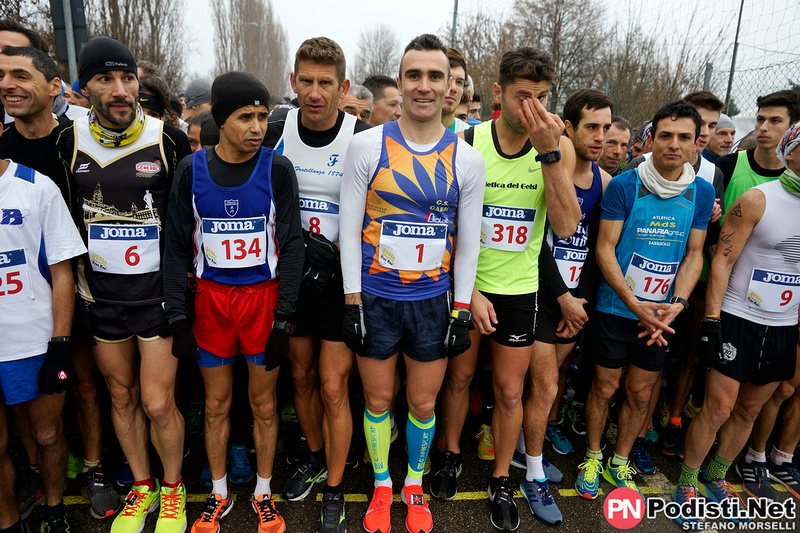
{"points": [[232, 207], [624, 508]]}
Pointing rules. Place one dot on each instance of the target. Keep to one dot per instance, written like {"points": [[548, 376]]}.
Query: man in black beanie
{"points": [[123, 163], [234, 214]]}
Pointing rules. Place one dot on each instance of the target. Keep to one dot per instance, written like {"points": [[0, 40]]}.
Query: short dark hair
{"points": [[455, 57], [41, 61], [527, 63], [585, 98], [198, 118], [148, 68], [476, 97], [621, 122], [36, 40], [675, 110], [377, 84], [786, 98], [424, 43], [324, 51], [704, 100]]}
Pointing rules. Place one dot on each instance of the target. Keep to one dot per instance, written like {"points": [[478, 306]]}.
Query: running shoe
{"points": [[332, 519], [554, 436], [30, 492], [103, 498], [418, 519], [269, 519], [552, 472], [378, 518], [55, 524], [194, 422], [303, 480], [213, 510], [718, 490], [621, 476], [505, 515], [587, 483], [576, 416], [441, 442], [755, 479], [786, 474], [485, 443], [650, 434], [690, 410], [672, 443], [139, 503], [172, 516], [518, 460], [443, 482], [562, 411], [288, 414], [125, 476], [664, 418], [641, 457], [352, 461], [541, 502], [298, 453], [74, 466], [205, 476], [604, 436], [683, 494], [241, 469]]}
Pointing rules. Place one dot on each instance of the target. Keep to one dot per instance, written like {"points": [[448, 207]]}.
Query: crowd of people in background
{"points": [[392, 256]]}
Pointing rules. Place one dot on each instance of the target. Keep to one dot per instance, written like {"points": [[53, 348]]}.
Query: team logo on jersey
{"points": [[333, 160], [83, 167], [433, 218], [147, 170], [232, 207], [12, 217], [728, 353]]}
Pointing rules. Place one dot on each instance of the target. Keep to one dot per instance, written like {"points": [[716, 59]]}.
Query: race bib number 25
{"points": [[15, 278]]}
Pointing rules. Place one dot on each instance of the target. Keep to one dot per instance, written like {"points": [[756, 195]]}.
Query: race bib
{"points": [[15, 278], [235, 243], [507, 228], [570, 263], [773, 291], [124, 248], [320, 216], [650, 280], [412, 246]]}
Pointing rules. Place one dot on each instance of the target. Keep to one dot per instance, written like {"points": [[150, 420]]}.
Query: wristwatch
{"points": [[459, 313], [284, 326], [547, 158], [683, 301], [63, 338]]}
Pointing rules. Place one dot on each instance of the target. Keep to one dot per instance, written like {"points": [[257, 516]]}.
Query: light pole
{"points": [[260, 48]]}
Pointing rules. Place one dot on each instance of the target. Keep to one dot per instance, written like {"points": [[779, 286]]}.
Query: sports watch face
{"points": [[549, 157]]}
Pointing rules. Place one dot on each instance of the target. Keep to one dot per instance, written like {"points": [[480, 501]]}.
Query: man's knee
{"points": [[334, 392], [216, 408], [304, 377], [748, 411], [604, 387], [47, 435], [264, 409], [159, 406], [508, 394], [123, 398]]}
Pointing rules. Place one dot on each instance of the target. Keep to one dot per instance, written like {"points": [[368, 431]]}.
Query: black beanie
{"points": [[103, 54], [233, 90], [209, 132]]}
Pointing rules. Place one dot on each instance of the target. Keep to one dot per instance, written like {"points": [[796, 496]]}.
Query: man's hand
{"points": [[457, 340], [566, 330], [354, 327], [665, 317], [57, 373], [277, 347], [320, 252], [483, 315], [649, 315], [544, 129], [572, 310], [709, 344], [716, 211], [184, 344]]}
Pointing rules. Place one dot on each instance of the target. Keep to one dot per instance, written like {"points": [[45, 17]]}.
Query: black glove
{"points": [[354, 327], [709, 344], [320, 252], [457, 340], [57, 373], [184, 345], [277, 347], [317, 278]]}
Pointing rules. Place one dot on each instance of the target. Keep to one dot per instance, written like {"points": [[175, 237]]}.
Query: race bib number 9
{"points": [[412, 246], [320, 216], [570, 263], [507, 228], [773, 291], [15, 278], [124, 248], [235, 243], [650, 280]]}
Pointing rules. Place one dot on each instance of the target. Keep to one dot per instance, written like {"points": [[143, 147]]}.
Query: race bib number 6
{"points": [[650, 280], [15, 278], [124, 248], [507, 228], [773, 291], [412, 246], [235, 243]]}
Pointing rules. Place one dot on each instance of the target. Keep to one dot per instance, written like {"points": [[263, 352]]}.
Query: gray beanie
{"points": [[198, 92], [725, 122]]}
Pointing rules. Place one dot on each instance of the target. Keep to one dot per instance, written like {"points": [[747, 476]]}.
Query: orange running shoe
{"points": [[419, 519], [379, 513], [269, 519]]}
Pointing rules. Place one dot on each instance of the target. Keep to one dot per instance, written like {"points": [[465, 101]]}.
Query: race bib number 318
{"points": [[507, 228]]}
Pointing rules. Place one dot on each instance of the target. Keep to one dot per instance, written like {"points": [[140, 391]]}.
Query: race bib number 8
{"points": [[124, 248], [650, 280], [570, 263], [507, 228], [15, 278], [235, 243], [773, 291], [412, 246], [320, 216]]}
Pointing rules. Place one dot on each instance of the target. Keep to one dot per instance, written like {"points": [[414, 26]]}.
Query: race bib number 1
{"points": [[15, 278], [773, 291], [235, 243], [124, 248], [320, 216], [412, 246], [507, 228], [650, 280]]}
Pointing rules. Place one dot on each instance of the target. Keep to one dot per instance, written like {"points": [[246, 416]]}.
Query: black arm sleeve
{"points": [[590, 275], [291, 249], [727, 164], [548, 269], [178, 247]]}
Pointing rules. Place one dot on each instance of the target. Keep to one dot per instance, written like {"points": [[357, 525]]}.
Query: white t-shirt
{"points": [[36, 231]]}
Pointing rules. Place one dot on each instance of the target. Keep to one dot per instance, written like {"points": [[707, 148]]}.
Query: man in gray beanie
{"points": [[721, 141], [197, 97]]}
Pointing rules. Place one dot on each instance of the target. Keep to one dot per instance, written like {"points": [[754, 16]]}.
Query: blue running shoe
{"points": [[205, 476], [588, 483], [650, 434], [621, 476], [541, 502], [554, 436], [125, 475], [552, 472], [641, 457], [518, 460], [241, 469], [718, 490], [682, 494]]}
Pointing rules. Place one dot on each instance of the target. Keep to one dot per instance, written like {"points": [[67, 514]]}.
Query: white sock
{"points": [[262, 486], [521, 442], [535, 469], [412, 481], [220, 486], [383, 483], [753, 455], [778, 457], [391, 419]]}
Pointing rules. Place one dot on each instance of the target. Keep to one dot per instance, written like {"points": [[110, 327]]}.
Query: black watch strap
{"points": [[283, 325], [683, 301], [63, 338]]}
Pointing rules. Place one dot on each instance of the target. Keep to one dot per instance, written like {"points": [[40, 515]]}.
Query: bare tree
{"points": [[249, 36], [153, 30], [378, 53]]}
